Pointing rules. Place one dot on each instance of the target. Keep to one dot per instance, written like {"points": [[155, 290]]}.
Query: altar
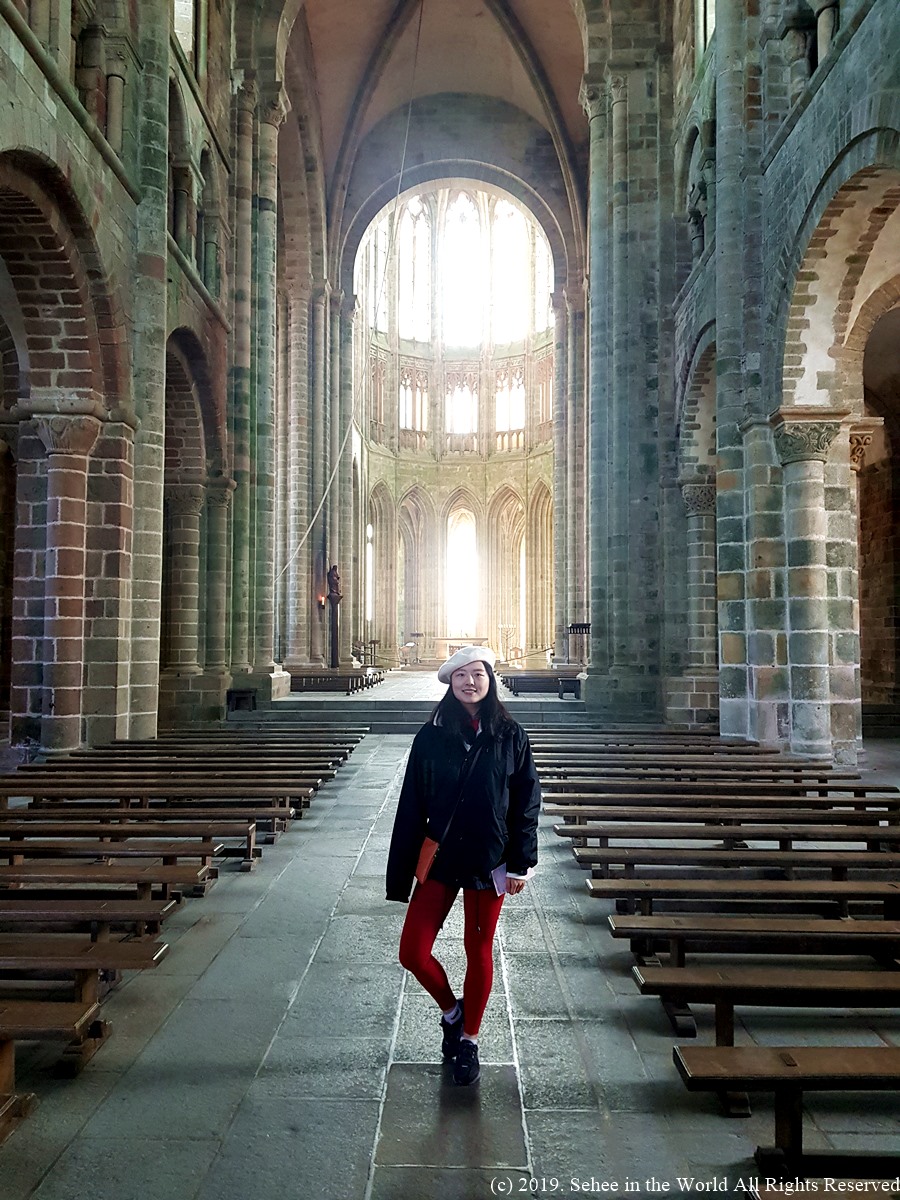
{"points": [[444, 647]]}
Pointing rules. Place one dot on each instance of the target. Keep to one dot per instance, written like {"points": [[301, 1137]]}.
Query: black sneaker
{"points": [[466, 1069], [452, 1031]]}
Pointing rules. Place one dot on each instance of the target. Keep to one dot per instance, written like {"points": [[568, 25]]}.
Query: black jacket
{"points": [[495, 822]]}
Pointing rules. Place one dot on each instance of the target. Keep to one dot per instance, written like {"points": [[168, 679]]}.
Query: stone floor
{"points": [[280, 1050]]}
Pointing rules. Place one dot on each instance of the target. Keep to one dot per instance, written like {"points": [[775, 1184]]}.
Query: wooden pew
{"points": [[784, 834], [170, 852], [788, 1072], [120, 829], [286, 793], [273, 817], [754, 935], [32, 1020], [581, 816], [824, 892], [143, 880], [628, 785], [99, 917], [838, 862], [771, 987]]}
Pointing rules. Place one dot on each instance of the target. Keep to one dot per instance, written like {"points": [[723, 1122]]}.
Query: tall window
{"points": [[462, 574], [511, 256], [184, 22], [462, 271], [462, 402], [705, 23], [413, 399], [414, 300], [510, 399], [377, 281], [543, 283]]}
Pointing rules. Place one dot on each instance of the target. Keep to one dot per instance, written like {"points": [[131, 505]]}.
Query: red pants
{"points": [[428, 909]]}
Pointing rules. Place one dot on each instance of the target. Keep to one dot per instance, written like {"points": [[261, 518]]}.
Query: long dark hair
{"points": [[494, 716]]}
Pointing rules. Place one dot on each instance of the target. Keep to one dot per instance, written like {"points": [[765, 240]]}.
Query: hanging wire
{"points": [[357, 397]]}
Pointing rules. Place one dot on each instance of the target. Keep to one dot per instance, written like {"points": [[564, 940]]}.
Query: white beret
{"points": [[462, 658]]}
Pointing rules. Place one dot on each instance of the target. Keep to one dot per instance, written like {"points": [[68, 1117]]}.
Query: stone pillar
{"points": [[731, 269], [272, 682], [149, 357], [245, 101], [68, 442], [595, 102], [184, 504], [319, 342], [802, 441], [334, 551], [826, 12], [622, 335], [563, 470], [115, 110], [218, 502], [344, 495], [700, 505]]}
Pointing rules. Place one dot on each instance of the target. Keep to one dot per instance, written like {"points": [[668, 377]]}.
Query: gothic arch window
{"points": [[462, 402], [377, 277], [413, 398], [414, 283], [509, 398], [462, 574], [186, 24], [704, 23], [543, 283], [511, 270], [462, 270]]}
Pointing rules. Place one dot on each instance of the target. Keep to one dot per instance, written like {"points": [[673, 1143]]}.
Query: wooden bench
{"points": [[139, 790], [581, 816], [144, 879], [787, 1072], [722, 892], [170, 852], [628, 785], [121, 829], [97, 916], [32, 1020], [772, 987], [273, 817], [589, 804], [754, 934], [784, 834], [838, 862]]}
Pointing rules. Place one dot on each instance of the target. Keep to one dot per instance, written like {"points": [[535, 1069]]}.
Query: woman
{"points": [[471, 785]]}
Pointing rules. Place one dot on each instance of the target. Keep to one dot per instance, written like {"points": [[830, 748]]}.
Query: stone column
{"points": [[316, 583], [563, 470], [595, 102], [700, 505], [344, 497], [218, 502], [272, 114], [184, 504], [802, 441], [245, 101], [826, 24], [68, 442], [148, 361], [622, 334], [731, 269], [335, 431]]}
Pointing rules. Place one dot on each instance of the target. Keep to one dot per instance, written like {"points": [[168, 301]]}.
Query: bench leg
{"points": [[784, 1159], [680, 1017], [12, 1107]]}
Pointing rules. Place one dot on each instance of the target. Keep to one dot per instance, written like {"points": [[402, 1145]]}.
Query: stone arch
{"points": [[873, 367], [74, 332], [539, 614], [384, 521], [419, 574], [504, 535], [697, 416], [811, 255]]}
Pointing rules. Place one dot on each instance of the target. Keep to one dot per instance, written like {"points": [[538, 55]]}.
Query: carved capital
{"points": [[862, 431], [246, 94], [699, 499], [618, 89], [219, 490], [820, 6], [274, 106], [593, 98], [185, 498], [68, 435], [805, 441]]}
